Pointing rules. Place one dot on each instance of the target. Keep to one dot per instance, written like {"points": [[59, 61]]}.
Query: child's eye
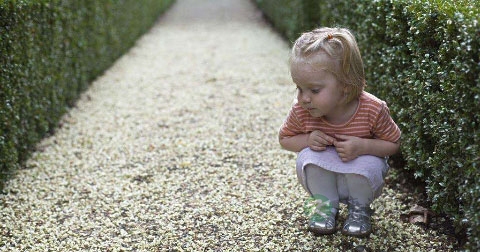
{"points": [[316, 91]]}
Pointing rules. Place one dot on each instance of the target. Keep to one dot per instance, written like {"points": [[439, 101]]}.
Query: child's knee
{"points": [[356, 177]]}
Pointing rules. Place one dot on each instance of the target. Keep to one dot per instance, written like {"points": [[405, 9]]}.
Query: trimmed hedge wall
{"points": [[422, 57], [50, 51]]}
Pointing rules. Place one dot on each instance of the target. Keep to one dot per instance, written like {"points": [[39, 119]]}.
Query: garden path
{"points": [[175, 146]]}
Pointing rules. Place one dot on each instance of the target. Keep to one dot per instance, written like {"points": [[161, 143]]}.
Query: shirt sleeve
{"points": [[291, 126], [385, 128]]}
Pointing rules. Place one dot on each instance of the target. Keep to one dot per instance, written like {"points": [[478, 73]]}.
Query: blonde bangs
{"points": [[341, 47]]}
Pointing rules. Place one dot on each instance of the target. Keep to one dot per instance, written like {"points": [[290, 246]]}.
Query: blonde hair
{"points": [[341, 47]]}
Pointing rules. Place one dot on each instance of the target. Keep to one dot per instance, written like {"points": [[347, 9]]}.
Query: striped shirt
{"points": [[371, 120]]}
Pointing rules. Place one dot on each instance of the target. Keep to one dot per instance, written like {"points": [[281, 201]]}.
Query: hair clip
{"points": [[329, 36]]}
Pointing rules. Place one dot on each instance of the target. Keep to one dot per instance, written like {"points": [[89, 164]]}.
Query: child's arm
{"points": [[351, 147], [294, 143], [316, 140]]}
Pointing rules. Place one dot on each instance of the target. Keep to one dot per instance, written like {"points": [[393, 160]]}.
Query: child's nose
{"points": [[305, 98]]}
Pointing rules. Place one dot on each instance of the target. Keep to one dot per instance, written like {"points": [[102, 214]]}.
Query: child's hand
{"points": [[318, 141], [348, 147]]}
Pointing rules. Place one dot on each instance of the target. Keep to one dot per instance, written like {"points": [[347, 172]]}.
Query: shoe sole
{"points": [[357, 234], [322, 232]]}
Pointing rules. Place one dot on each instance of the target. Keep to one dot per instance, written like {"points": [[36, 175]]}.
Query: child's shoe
{"points": [[325, 225], [358, 221]]}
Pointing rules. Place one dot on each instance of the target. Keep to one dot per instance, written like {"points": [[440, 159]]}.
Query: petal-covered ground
{"points": [[175, 148]]}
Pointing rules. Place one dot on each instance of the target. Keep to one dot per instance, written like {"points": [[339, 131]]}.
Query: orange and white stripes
{"points": [[371, 120]]}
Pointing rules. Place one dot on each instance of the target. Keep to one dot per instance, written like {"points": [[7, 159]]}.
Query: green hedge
{"points": [[50, 51], [422, 57]]}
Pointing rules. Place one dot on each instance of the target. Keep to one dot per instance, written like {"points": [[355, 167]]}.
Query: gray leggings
{"points": [[338, 186]]}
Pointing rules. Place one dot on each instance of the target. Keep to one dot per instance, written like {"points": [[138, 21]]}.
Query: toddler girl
{"points": [[342, 133]]}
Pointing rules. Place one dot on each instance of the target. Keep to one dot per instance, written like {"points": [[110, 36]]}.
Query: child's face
{"points": [[319, 91]]}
